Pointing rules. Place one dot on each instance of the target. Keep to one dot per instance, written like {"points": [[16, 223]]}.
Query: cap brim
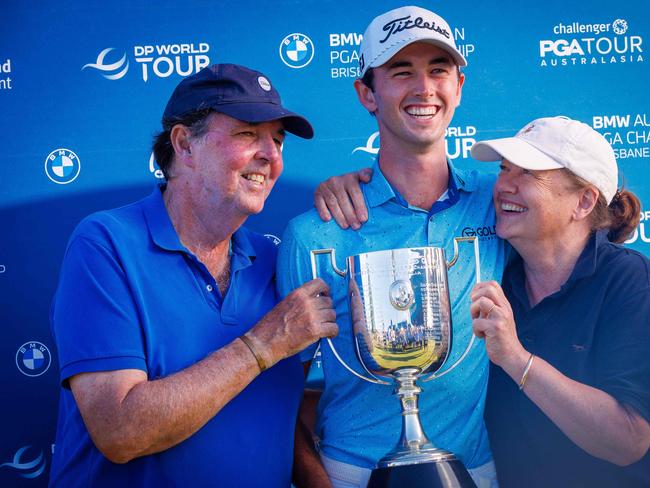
{"points": [[268, 112], [515, 150]]}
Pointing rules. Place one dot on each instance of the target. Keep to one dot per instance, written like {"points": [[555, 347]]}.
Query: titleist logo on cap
{"points": [[403, 23]]}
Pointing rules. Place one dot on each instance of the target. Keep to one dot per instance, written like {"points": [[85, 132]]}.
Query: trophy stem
{"points": [[414, 446], [415, 462], [413, 436]]}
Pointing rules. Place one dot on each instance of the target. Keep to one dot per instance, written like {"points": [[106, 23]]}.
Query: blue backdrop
{"points": [[83, 86]]}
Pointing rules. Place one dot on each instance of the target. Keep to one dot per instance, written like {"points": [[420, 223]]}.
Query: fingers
{"points": [[479, 326], [483, 307], [340, 197], [333, 204], [315, 287], [321, 206], [365, 174], [330, 329], [491, 290], [358, 203]]}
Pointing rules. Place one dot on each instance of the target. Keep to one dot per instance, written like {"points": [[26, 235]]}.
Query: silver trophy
{"points": [[401, 320]]}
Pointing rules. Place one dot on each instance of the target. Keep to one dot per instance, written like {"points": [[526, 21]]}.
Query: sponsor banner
{"points": [[642, 232], [5, 75], [629, 134], [152, 60], [586, 44]]}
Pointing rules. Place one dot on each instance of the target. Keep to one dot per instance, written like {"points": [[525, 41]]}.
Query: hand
{"points": [[493, 321], [303, 317], [341, 197]]}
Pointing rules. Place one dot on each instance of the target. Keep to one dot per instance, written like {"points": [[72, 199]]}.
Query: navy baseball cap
{"points": [[238, 92]]}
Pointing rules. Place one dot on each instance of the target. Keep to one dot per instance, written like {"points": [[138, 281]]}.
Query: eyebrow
{"points": [[433, 61]]}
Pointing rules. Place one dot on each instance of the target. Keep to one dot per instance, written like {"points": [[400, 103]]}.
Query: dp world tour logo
{"points": [[33, 358], [27, 468], [62, 166], [296, 50], [370, 147], [110, 71]]}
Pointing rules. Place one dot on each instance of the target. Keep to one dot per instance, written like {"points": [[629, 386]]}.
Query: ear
{"points": [[365, 95], [459, 90], [180, 137], [588, 199]]}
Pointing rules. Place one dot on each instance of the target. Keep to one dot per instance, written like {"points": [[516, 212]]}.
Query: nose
{"points": [[268, 149], [505, 183], [424, 86]]}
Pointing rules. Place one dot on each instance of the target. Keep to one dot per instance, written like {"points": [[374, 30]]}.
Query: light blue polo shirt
{"points": [[359, 422], [131, 295]]}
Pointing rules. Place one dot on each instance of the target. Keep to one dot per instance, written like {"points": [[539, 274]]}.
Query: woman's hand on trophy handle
{"points": [[341, 197], [493, 320]]}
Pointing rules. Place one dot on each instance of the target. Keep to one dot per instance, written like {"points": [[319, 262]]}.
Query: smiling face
{"points": [[235, 164], [534, 206], [414, 98]]}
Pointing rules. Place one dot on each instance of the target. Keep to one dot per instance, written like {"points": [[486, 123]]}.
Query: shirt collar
{"points": [[164, 235], [585, 266], [378, 191]]}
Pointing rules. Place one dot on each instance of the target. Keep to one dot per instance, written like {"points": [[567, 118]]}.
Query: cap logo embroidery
{"points": [[398, 25], [264, 83]]}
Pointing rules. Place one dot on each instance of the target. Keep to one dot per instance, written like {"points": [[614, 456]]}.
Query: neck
{"points": [[549, 264], [421, 178], [207, 237]]}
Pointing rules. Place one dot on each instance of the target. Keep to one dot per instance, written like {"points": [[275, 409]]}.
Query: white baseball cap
{"points": [[394, 30], [557, 142]]}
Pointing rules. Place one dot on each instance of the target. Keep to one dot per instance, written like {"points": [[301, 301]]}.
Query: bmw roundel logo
{"points": [[33, 358], [296, 50], [62, 166]]}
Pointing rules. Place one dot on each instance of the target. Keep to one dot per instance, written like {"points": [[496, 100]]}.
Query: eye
{"points": [[246, 133]]}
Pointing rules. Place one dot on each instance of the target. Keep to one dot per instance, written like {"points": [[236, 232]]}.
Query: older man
{"points": [[412, 83], [177, 362]]}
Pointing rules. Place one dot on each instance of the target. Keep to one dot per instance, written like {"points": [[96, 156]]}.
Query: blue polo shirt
{"points": [[359, 422], [131, 295], [595, 330]]}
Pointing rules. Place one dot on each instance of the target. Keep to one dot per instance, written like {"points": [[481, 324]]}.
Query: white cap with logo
{"points": [[394, 30], [557, 142]]}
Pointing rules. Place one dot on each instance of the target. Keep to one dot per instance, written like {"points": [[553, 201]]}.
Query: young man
{"points": [[412, 83]]}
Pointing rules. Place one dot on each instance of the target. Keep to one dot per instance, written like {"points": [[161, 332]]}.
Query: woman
{"points": [[569, 333]]}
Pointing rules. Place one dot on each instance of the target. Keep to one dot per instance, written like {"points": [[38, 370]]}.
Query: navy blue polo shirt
{"points": [[131, 295], [595, 330]]}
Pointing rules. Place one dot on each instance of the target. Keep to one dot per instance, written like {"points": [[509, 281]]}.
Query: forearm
{"points": [[591, 418], [308, 471], [152, 416]]}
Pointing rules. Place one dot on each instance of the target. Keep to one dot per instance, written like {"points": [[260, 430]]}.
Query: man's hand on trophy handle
{"points": [[303, 317], [341, 197]]}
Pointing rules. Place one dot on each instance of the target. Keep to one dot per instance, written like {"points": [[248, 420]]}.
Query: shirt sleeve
{"points": [[624, 352], [94, 316], [293, 270]]}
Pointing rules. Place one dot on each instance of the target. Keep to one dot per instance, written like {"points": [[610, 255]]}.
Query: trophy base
{"points": [[433, 468]]}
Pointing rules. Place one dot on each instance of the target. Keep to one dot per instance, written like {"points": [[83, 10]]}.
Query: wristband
{"points": [[260, 360], [524, 376]]}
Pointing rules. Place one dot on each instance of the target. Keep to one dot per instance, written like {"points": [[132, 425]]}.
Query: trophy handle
{"points": [[453, 261], [340, 272]]}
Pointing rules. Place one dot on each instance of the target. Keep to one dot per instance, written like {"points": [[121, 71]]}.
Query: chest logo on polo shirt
{"points": [[483, 232], [33, 358]]}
